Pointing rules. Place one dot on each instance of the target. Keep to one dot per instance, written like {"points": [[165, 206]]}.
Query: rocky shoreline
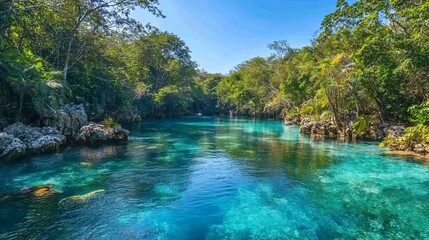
{"points": [[391, 133], [329, 129], [68, 127]]}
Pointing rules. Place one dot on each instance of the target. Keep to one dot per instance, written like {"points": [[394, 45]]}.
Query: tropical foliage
{"points": [[371, 57]]}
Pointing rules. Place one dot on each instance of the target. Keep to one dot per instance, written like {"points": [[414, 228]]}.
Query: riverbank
{"points": [[394, 136], [70, 126], [350, 128]]}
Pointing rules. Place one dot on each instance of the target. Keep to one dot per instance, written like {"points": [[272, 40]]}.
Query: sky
{"points": [[224, 33]]}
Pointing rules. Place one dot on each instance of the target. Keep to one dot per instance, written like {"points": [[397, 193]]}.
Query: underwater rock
{"points": [[37, 191], [93, 134], [79, 199]]}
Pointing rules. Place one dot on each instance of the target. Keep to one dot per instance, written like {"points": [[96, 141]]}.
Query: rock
{"points": [[396, 130], [127, 116], [93, 134], [79, 199], [306, 125], [349, 115], [10, 147], [292, 120], [19, 140], [37, 191], [48, 143], [319, 128], [68, 120]]}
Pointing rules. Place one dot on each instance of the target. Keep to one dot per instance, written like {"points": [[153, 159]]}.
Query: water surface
{"points": [[219, 178]]}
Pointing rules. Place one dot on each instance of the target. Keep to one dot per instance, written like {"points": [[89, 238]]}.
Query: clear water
{"points": [[215, 178]]}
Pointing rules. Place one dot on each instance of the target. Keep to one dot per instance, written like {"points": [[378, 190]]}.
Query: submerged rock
{"points": [[37, 191], [93, 134], [79, 199]]}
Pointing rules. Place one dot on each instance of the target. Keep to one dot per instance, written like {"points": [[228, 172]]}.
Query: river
{"points": [[218, 178]]}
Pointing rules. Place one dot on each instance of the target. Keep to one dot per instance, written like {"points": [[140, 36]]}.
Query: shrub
{"points": [[110, 122], [361, 125], [416, 134], [420, 113]]}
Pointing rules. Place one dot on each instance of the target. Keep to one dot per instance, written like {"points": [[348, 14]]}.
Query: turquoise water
{"points": [[219, 178]]}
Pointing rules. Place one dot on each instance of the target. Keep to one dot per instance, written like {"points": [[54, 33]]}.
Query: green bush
{"points": [[418, 134], [420, 113], [110, 122], [361, 125]]}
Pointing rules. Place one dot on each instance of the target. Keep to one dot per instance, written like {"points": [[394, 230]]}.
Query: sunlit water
{"points": [[218, 178]]}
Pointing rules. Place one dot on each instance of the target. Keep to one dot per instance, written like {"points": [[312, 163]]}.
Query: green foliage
{"points": [[110, 122], [370, 56], [415, 134], [37, 86], [420, 113], [361, 125], [418, 133], [389, 141]]}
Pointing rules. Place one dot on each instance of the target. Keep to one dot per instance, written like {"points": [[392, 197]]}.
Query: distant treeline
{"points": [[370, 56]]}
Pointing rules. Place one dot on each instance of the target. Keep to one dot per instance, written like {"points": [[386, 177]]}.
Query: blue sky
{"points": [[224, 33]]}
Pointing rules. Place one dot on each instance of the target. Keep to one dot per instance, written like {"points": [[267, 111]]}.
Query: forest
{"points": [[369, 56]]}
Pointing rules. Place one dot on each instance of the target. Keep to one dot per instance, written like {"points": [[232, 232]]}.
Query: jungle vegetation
{"points": [[369, 56]]}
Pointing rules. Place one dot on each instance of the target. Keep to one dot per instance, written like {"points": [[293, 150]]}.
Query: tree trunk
{"points": [[66, 64], [21, 104]]}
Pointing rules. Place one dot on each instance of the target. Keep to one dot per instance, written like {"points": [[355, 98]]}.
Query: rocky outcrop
{"points": [[411, 147], [292, 120], [379, 131], [11, 147], [68, 120], [328, 129], [319, 128], [69, 125], [19, 140], [95, 134]]}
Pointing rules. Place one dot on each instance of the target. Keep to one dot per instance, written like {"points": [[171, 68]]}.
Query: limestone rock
{"points": [[69, 119], [19, 140], [93, 134], [292, 120], [319, 128], [10, 147]]}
